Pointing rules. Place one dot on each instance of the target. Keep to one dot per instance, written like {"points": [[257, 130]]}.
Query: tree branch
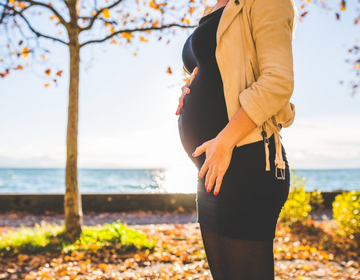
{"points": [[38, 34], [35, 3], [3, 14], [92, 20], [135, 30]]}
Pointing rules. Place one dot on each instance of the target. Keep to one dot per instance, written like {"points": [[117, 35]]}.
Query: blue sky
{"points": [[127, 104]]}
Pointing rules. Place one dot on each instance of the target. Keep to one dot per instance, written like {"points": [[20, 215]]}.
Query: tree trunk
{"points": [[72, 201]]}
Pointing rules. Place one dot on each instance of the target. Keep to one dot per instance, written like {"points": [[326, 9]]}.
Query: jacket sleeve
{"points": [[272, 25]]}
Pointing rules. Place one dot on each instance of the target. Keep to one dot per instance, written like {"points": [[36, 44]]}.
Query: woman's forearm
{"points": [[237, 129]]}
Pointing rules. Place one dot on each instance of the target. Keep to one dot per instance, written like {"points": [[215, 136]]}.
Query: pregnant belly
{"points": [[203, 115]]}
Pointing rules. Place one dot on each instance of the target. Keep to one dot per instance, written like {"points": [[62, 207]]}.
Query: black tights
{"points": [[238, 259]]}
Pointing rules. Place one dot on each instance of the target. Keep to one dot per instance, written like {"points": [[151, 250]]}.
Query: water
{"points": [[177, 179]]}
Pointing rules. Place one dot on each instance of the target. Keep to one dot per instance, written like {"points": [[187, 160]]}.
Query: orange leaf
{"points": [[169, 70], [25, 52], [143, 39], [58, 73], [106, 13], [47, 72], [46, 85]]}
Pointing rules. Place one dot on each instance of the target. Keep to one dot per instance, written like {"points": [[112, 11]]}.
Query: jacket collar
{"points": [[228, 15]]}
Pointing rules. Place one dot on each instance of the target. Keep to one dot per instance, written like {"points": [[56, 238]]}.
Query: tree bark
{"points": [[72, 201]]}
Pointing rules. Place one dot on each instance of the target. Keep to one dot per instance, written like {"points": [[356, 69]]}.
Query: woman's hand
{"points": [[185, 90], [218, 156]]}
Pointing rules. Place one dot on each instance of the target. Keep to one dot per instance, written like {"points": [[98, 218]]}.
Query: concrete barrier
{"points": [[40, 203]]}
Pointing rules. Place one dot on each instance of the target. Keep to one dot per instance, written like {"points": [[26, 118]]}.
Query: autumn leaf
{"points": [[142, 39], [127, 35], [58, 73], [343, 5], [169, 70], [106, 13], [47, 72], [46, 85], [303, 14], [25, 52]]}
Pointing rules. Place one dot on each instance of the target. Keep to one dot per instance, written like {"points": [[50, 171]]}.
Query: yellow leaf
{"points": [[106, 13], [134, 53], [12, 2], [112, 29], [127, 35], [143, 39], [43, 56], [47, 84], [102, 265], [25, 52]]}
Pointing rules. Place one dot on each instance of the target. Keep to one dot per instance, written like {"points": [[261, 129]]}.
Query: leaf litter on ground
{"points": [[310, 250]]}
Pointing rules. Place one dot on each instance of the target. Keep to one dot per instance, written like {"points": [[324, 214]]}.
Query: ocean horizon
{"points": [[172, 180]]}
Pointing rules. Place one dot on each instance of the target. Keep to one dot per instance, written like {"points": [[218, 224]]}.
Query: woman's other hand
{"points": [[218, 155], [186, 90]]}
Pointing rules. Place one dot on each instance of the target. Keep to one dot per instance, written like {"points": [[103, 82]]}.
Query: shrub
{"points": [[346, 209], [50, 238], [316, 200], [297, 206]]}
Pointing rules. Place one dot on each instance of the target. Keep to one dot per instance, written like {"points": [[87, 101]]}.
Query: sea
{"points": [[172, 180]]}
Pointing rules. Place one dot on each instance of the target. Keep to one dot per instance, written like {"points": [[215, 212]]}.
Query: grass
{"points": [[50, 238]]}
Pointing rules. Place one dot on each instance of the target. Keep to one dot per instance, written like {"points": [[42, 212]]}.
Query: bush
{"points": [[297, 207], [346, 209], [316, 200], [51, 238]]}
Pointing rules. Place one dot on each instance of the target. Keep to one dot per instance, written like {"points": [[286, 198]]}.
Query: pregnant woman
{"points": [[230, 114]]}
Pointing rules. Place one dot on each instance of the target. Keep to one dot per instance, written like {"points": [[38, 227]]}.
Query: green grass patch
{"points": [[50, 238]]}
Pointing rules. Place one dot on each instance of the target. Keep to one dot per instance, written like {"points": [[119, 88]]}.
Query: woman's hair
{"points": [[296, 18]]}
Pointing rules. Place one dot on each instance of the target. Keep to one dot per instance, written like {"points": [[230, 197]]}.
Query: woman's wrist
{"points": [[225, 140]]}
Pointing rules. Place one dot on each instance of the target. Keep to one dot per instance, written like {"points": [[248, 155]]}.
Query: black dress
{"points": [[250, 199]]}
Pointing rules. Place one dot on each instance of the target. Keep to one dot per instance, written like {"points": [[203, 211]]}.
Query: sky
{"points": [[127, 104]]}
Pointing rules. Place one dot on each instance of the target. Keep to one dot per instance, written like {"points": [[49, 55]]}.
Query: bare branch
{"points": [[92, 20], [35, 3], [135, 30], [4, 13], [38, 34]]}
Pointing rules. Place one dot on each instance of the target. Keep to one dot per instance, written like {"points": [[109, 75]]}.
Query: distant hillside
{"points": [[35, 162]]}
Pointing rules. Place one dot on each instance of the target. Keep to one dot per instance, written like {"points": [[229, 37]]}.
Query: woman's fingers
{"points": [[219, 179], [204, 169], [186, 90], [210, 178], [199, 150]]}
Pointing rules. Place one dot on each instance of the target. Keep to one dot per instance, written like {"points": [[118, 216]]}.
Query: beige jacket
{"points": [[254, 56]]}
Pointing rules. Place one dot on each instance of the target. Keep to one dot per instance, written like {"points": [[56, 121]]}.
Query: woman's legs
{"points": [[238, 259]]}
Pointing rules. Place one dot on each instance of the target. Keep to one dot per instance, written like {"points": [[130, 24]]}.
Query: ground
{"points": [[179, 252]]}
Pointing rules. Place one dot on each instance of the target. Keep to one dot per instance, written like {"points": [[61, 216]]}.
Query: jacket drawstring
{"points": [[279, 162]]}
